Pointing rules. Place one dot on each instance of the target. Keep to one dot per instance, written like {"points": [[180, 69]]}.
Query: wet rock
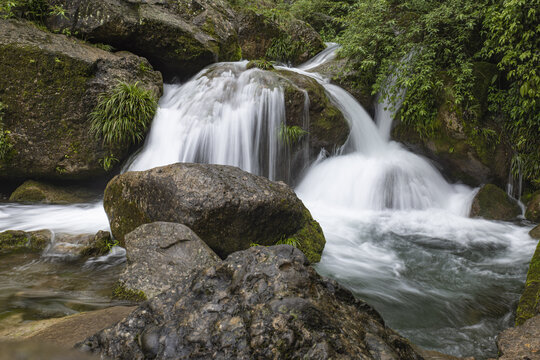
{"points": [[261, 303], [160, 253], [533, 208], [535, 232], [15, 240], [66, 331], [50, 83], [327, 128], [229, 209], [39, 192], [492, 203], [521, 342], [73, 246], [40, 351], [529, 303]]}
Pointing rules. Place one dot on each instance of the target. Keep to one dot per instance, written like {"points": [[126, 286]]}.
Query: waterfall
{"points": [[397, 232]]}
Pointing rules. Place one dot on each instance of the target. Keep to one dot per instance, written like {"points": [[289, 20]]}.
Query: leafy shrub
{"points": [[123, 114], [122, 117]]}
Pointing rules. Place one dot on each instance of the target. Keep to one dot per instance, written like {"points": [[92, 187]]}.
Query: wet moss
{"points": [[260, 64], [309, 239], [529, 303], [120, 292], [15, 240]]}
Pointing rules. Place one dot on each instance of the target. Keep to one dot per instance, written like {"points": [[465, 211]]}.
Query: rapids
{"points": [[398, 234]]}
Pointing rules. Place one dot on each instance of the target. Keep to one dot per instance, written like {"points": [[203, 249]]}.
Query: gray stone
{"points": [[160, 253], [228, 208], [521, 342], [261, 303]]}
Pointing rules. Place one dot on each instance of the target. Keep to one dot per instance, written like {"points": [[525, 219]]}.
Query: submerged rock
{"points": [[39, 192], [50, 83], [529, 303], [492, 203], [160, 253], [14, 240], [262, 303], [73, 246], [521, 342], [228, 208]]}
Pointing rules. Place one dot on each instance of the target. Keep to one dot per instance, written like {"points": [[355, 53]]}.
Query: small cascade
{"points": [[225, 115]]}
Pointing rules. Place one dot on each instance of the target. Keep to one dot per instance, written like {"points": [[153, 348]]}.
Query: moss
{"points": [[260, 64], [120, 292], [529, 303], [15, 240], [310, 238], [491, 202]]}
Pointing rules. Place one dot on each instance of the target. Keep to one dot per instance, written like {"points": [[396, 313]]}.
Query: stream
{"points": [[398, 234]]}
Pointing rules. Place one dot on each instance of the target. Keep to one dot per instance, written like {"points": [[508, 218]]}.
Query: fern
{"points": [[291, 135]]}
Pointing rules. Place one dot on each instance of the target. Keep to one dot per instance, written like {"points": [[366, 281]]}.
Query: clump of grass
{"points": [[122, 117], [288, 241], [291, 135]]}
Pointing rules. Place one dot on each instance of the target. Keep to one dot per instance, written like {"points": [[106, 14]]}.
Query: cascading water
{"points": [[397, 233]]}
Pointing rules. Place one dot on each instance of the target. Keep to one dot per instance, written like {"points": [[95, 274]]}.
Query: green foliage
{"points": [[291, 135], [104, 47], [326, 16], [108, 162], [512, 32], [123, 114], [34, 10], [5, 143], [288, 241], [284, 49]]}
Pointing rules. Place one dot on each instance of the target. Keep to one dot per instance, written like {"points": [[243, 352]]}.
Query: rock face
{"points": [[13, 240], [228, 208], [38, 192], [327, 127], [529, 303], [262, 303], [160, 253], [521, 342], [180, 37], [50, 83], [535, 233], [493, 203], [533, 208], [466, 152]]}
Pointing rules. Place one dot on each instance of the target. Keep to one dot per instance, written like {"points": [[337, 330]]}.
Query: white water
{"points": [[397, 233]]}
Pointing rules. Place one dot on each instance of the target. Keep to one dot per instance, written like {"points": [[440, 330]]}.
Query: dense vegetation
{"points": [[420, 54]]}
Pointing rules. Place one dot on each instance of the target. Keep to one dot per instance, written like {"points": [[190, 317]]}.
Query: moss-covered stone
{"points": [[493, 203], [101, 245], [535, 232], [260, 64], [50, 83], [38, 192], [533, 208], [529, 303], [120, 292], [16, 240], [310, 239]]}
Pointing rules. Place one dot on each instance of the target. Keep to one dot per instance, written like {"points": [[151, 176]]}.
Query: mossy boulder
{"points": [[465, 142], [529, 303], [533, 208], [326, 129], [49, 84], [17, 240], [39, 192], [227, 208], [492, 203]]}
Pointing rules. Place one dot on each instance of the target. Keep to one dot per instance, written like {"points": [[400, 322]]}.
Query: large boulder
{"points": [[262, 303], [466, 143], [492, 203], [529, 303], [160, 253], [39, 192], [182, 37], [228, 208], [49, 84]]}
